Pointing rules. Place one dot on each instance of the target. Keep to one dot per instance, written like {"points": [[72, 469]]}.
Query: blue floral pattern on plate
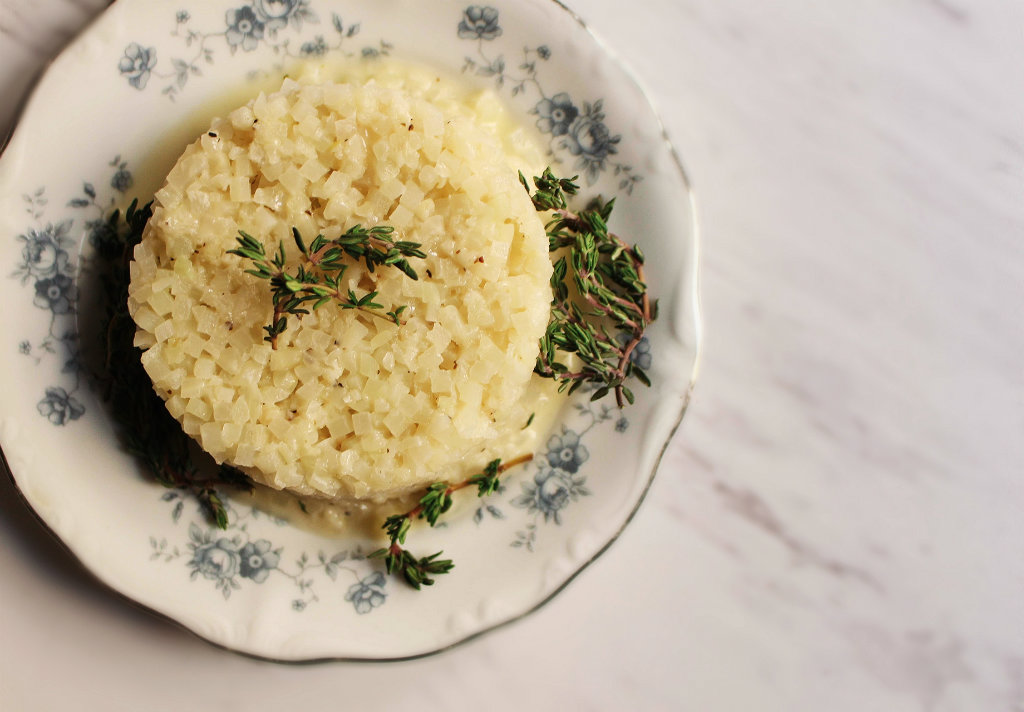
{"points": [[246, 28], [573, 127], [48, 265], [233, 557], [558, 480]]}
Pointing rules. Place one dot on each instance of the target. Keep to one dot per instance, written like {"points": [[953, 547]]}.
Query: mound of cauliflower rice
{"points": [[350, 407]]}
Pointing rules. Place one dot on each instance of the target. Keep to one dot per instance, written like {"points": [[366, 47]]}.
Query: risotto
{"points": [[348, 406]]}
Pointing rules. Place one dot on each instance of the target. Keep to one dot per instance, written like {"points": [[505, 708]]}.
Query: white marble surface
{"points": [[837, 526]]}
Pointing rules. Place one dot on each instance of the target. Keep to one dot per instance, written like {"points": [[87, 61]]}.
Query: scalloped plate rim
{"points": [[689, 293]]}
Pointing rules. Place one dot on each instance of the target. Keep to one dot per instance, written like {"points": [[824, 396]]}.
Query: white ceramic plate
{"points": [[105, 125]]}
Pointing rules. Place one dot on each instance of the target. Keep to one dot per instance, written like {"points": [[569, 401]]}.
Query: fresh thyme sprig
{"points": [[600, 308], [435, 501], [146, 428], [318, 280]]}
